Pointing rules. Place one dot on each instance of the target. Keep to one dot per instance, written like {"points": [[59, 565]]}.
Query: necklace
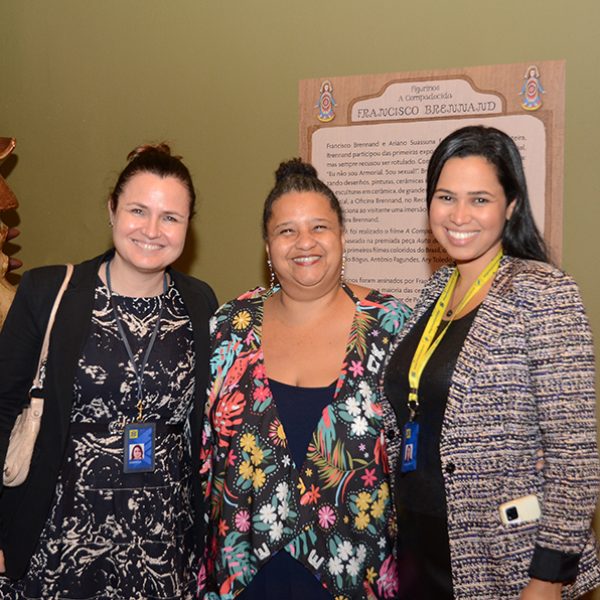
{"points": [[137, 369]]}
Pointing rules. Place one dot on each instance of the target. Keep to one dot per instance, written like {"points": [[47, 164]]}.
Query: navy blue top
{"points": [[283, 576], [300, 409]]}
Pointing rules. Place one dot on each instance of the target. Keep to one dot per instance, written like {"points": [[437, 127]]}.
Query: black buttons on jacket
{"points": [[450, 468]]}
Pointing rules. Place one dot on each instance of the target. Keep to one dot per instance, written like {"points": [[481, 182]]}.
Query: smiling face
{"points": [[305, 243], [150, 223], [468, 211]]}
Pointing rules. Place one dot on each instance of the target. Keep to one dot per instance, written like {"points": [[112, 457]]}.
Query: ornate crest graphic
{"points": [[532, 89], [326, 102]]}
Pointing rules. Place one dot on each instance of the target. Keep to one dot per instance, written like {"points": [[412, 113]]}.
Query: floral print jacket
{"points": [[333, 514]]}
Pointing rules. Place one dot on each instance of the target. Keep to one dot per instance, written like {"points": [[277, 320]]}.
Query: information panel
{"points": [[370, 138]]}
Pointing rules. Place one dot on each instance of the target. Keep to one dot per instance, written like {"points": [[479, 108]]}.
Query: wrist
{"points": [[547, 590]]}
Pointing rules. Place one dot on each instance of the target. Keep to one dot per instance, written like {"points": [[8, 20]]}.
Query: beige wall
{"points": [[84, 82]]}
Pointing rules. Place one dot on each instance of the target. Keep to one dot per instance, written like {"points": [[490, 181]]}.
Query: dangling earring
{"points": [[343, 267], [272, 282]]}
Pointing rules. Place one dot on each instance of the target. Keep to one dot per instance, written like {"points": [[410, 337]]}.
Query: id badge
{"points": [[138, 447], [410, 443]]}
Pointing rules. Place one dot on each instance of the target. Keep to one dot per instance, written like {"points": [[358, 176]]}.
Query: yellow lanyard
{"points": [[428, 342]]}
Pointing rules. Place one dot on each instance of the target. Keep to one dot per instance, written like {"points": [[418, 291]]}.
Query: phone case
{"points": [[520, 510]]}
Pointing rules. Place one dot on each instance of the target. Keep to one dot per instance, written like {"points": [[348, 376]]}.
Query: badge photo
{"points": [[138, 447]]}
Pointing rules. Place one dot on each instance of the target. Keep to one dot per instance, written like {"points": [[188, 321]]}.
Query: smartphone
{"points": [[520, 510]]}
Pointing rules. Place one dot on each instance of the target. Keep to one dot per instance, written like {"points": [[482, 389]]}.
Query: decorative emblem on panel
{"points": [[532, 89], [326, 102]]}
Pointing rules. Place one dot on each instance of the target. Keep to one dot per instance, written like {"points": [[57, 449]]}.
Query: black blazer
{"points": [[24, 509]]}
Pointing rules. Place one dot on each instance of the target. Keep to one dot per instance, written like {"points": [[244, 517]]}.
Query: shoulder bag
{"points": [[27, 425]]}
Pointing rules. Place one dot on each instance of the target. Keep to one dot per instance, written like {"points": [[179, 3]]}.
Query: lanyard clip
{"points": [[413, 404], [140, 409]]}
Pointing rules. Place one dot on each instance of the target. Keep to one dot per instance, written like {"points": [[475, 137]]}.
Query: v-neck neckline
{"points": [[341, 374], [357, 305]]}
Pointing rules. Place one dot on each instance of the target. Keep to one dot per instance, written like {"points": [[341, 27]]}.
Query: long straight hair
{"points": [[520, 238]]}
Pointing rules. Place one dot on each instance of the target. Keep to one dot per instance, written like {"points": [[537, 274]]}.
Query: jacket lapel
{"points": [[200, 312], [71, 329], [485, 331]]}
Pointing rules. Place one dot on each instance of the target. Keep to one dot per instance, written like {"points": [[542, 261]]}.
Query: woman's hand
{"points": [[537, 589], [2, 567]]}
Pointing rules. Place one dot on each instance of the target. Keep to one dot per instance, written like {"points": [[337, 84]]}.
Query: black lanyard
{"points": [[139, 371]]}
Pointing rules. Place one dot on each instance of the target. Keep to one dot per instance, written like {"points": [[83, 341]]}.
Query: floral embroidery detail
{"points": [[326, 516], [387, 584], [262, 397], [312, 496], [346, 561], [259, 478], [369, 505], [276, 433], [223, 527], [256, 464], [248, 442], [276, 517], [333, 514], [356, 368], [268, 513], [242, 520], [231, 458], [363, 500], [241, 320], [362, 520], [257, 455], [369, 478], [246, 470], [371, 574], [259, 372]]}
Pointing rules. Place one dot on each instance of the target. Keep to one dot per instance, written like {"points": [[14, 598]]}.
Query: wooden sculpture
{"points": [[8, 201]]}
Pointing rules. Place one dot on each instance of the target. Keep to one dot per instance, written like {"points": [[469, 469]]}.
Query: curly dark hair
{"points": [[297, 176]]}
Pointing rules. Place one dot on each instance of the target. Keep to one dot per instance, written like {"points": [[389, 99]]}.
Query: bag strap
{"points": [[38, 380]]}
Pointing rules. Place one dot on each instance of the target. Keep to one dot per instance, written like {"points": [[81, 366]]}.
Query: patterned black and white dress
{"points": [[112, 534]]}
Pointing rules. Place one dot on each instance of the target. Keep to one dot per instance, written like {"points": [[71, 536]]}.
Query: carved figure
{"points": [[8, 201]]}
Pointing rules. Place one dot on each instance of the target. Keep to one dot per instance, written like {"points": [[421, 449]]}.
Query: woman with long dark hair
{"points": [[494, 461]]}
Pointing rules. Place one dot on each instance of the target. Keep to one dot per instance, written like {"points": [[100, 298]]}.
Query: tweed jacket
{"points": [[523, 382], [24, 509]]}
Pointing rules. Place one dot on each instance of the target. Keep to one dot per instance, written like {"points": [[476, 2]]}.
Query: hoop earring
{"points": [[272, 282]]}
